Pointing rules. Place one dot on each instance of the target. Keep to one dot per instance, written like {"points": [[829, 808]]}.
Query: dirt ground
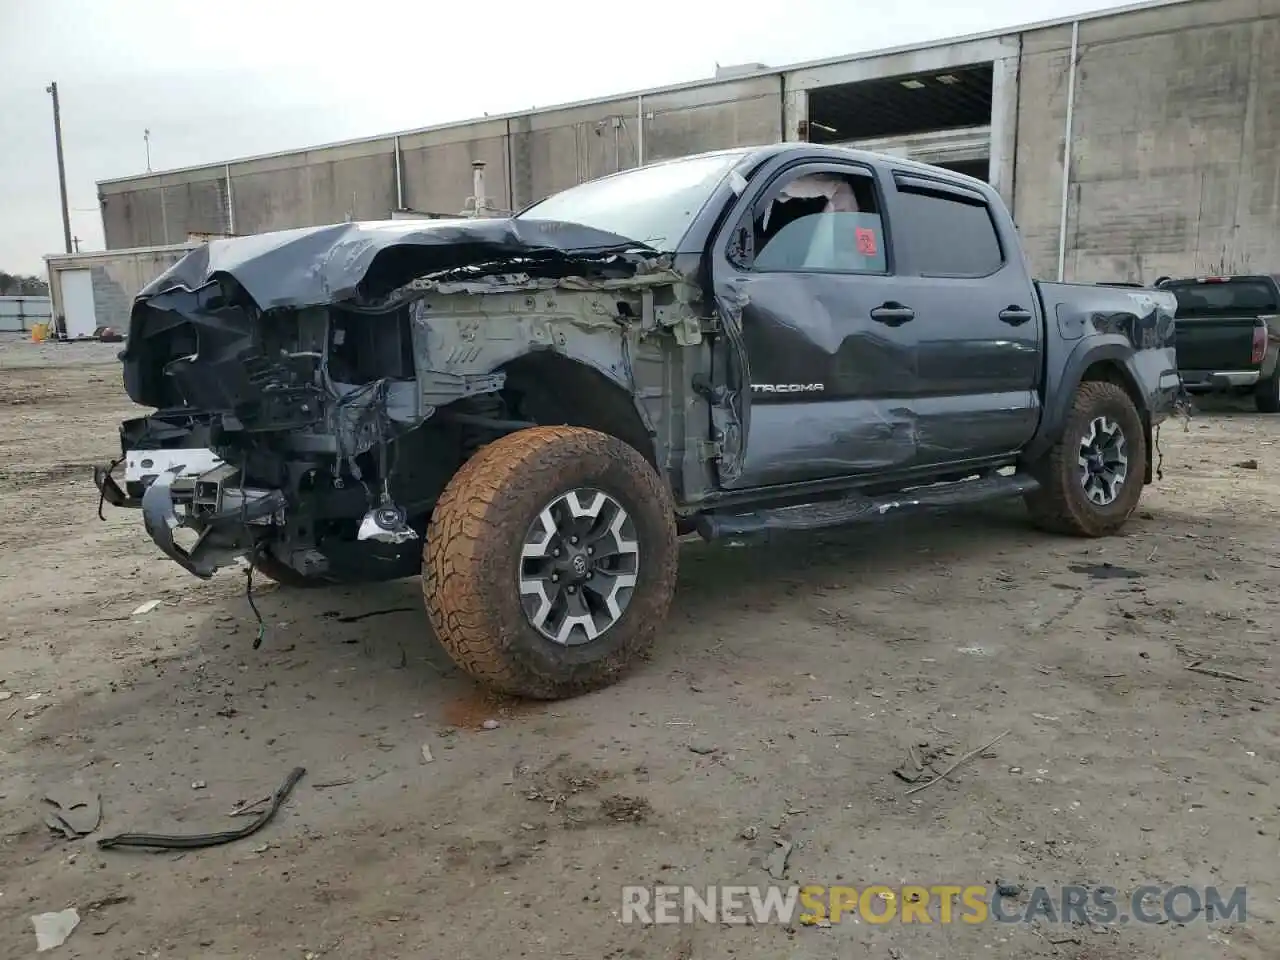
{"points": [[791, 681]]}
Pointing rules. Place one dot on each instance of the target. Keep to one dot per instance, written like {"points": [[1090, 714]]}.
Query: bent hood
{"points": [[311, 266]]}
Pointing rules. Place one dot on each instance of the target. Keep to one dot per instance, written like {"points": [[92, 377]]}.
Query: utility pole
{"points": [[146, 138], [52, 89]]}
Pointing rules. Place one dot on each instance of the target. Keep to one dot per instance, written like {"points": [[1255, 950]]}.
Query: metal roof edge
{"points": [[1013, 30], [123, 252]]}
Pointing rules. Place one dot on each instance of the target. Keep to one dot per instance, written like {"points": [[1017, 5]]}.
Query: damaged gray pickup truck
{"points": [[530, 411]]}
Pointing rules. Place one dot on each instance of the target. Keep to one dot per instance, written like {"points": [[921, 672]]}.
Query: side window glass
{"points": [[821, 222], [947, 235]]}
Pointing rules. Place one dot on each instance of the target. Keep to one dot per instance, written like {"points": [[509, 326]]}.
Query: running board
{"points": [[862, 509]]}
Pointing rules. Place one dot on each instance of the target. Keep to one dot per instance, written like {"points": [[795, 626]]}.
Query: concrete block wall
{"points": [[1175, 153]]}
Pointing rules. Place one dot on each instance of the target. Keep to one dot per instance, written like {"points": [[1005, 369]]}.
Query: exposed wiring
{"points": [[254, 552], [248, 595], [102, 491]]}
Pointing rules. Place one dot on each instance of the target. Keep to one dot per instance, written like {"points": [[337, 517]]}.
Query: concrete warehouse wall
{"points": [[117, 277], [1175, 157], [526, 158]]}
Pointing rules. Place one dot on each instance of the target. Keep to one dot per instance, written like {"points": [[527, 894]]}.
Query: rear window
{"points": [[1230, 298]]}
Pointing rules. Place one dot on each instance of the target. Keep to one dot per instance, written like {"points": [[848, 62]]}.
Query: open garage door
{"points": [[943, 118]]}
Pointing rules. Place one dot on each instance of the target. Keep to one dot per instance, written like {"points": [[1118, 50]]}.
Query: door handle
{"points": [[1014, 315], [892, 313]]}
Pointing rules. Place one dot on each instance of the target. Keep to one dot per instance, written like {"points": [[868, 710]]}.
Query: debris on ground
{"points": [[1248, 464], [77, 811], [145, 608], [920, 764], [626, 809], [1105, 571], [52, 929], [701, 748], [199, 841], [963, 760], [1195, 667], [490, 725], [426, 753], [776, 862], [354, 617], [749, 833]]}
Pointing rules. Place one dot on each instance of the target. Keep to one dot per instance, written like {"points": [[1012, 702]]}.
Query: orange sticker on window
{"points": [[866, 240]]}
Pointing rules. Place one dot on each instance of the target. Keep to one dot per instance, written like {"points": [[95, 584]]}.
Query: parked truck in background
{"points": [[527, 411], [1228, 336]]}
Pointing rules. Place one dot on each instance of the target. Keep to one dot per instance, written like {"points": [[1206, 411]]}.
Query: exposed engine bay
{"points": [[315, 390]]}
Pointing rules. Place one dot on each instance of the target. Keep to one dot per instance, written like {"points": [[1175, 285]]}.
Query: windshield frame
{"points": [[708, 187]]}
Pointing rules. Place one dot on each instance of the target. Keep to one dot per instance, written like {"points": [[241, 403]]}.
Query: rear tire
{"points": [[489, 568], [1266, 395], [1092, 478]]}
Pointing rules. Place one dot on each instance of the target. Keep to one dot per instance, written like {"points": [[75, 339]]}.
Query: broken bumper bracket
{"points": [[110, 490], [213, 549]]}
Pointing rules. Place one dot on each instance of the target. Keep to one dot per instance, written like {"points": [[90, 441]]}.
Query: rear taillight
{"points": [[1259, 343]]}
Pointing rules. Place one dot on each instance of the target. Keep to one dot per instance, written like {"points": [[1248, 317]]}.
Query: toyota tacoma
{"points": [[529, 411]]}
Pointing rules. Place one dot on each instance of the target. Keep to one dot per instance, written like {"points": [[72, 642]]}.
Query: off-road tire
{"points": [[283, 574], [1266, 395], [472, 559], [1060, 505]]}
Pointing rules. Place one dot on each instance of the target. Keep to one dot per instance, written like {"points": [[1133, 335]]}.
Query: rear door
{"points": [[1216, 320], [976, 319]]}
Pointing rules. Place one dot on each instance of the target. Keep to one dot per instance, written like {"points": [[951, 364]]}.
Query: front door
{"points": [[831, 353]]}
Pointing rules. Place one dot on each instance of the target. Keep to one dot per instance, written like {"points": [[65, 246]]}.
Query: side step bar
{"points": [[861, 509]]}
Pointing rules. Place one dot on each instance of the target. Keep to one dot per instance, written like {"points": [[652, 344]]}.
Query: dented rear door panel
{"points": [[978, 324]]}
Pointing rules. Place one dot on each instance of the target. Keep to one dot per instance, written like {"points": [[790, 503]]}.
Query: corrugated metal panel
{"points": [[17, 314]]}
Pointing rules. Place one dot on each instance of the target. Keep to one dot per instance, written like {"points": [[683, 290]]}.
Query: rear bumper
{"points": [[1206, 381]]}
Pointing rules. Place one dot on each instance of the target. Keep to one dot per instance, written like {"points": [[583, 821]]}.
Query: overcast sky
{"points": [[216, 81]]}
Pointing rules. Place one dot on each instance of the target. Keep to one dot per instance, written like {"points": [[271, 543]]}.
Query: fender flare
{"points": [[1061, 390]]}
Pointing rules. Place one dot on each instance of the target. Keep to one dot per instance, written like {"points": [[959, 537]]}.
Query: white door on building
{"points": [[78, 311]]}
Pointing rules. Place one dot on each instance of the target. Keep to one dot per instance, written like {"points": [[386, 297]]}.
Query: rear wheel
{"points": [[550, 561], [1266, 395], [1092, 478]]}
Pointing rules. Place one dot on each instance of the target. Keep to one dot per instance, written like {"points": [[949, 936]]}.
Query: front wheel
{"points": [[550, 561], [1092, 478]]}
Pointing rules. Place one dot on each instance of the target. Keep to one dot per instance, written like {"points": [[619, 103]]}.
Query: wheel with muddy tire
{"points": [[1092, 478], [550, 561]]}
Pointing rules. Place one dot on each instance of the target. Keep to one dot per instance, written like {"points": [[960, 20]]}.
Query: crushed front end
{"points": [[273, 436], [315, 390]]}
